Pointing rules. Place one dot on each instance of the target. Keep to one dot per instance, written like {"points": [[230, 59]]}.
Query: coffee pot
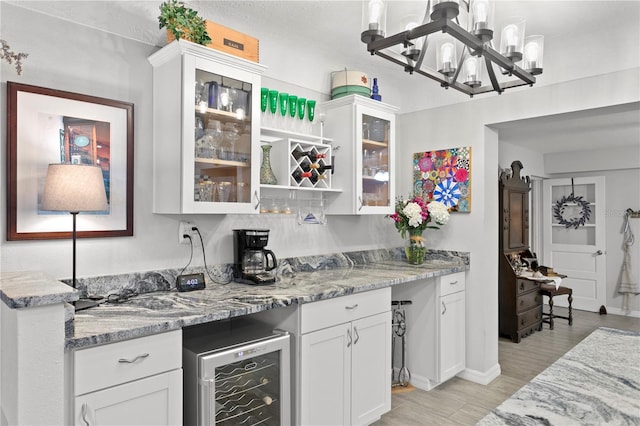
{"points": [[251, 260]]}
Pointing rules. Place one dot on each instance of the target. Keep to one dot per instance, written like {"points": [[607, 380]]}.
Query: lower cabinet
{"points": [[435, 329], [133, 382], [345, 372], [341, 357], [452, 327]]}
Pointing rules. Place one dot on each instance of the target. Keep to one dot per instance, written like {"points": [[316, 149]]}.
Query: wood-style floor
{"points": [[460, 402]]}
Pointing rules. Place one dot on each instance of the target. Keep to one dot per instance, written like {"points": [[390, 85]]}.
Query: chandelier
{"points": [[462, 56]]}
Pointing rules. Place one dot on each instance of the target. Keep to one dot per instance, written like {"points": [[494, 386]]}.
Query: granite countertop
{"points": [[28, 289], [299, 280]]}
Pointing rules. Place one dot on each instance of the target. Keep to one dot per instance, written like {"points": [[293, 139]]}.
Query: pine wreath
{"points": [[559, 209]]}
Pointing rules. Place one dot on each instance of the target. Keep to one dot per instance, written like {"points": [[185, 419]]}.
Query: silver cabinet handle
{"points": [[444, 308], [453, 282], [360, 202], [348, 338], [356, 335], [85, 408], [255, 195], [351, 307], [131, 361]]}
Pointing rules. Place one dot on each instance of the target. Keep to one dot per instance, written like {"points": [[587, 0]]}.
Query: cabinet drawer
{"points": [[452, 283], [530, 317], [523, 286], [528, 300], [108, 365], [327, 313]]}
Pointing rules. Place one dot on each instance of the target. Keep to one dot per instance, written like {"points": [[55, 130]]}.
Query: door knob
{"points": [[599, 253]]}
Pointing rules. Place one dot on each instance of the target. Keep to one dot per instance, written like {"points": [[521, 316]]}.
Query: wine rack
{"points": [[285, 164], [246, 392]]}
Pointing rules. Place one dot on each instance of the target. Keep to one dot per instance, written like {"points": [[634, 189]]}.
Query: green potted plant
{"points": [[183, 22]]}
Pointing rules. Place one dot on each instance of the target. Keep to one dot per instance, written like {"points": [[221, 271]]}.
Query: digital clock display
{"points": [[190, 282]]}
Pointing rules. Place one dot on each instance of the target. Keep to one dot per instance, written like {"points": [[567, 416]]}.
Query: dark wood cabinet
{"points": [[520, 301]]}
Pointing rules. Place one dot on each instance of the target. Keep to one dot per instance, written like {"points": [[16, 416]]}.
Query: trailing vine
{"points": [[10, 56], [183, 22], [559, 210]]}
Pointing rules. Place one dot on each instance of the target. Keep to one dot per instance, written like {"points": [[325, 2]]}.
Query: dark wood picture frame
{"points": [[21, 184]]}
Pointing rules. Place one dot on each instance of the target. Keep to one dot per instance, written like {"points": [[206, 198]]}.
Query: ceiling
{"points": [[333, 27]]}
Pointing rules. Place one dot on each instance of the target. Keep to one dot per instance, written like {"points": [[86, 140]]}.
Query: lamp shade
{"points": [[74, 188]]}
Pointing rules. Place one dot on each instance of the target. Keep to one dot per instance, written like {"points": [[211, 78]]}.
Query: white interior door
{"points": [[576, 251]]}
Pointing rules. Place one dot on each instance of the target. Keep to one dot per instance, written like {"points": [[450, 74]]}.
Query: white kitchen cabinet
{"points": [[451, 340], [435, 336], [364, 131], [206, 131], [133, 382], [345, 359]]}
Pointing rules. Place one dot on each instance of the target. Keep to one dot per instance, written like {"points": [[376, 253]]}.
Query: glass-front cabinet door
{"points": [[363, 133], [206, 131], [374, 186]]}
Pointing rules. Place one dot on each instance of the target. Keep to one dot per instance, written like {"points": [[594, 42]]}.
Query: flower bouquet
{"points": [[413, 216]]}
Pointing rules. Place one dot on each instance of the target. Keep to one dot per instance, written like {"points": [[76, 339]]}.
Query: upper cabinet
{"points": [[363, 133], [206, 131]]}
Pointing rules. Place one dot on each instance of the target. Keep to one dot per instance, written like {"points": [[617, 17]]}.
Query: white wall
{"points": [[66, 56], [532, 161]]}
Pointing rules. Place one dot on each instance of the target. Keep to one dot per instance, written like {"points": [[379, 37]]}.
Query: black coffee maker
{"points": [[251, 261]]}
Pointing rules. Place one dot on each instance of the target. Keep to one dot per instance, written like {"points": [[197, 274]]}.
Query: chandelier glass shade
{"points": [[452, 42]]}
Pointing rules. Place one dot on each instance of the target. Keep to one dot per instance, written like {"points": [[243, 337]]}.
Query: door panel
{"points": [[578, 252]]}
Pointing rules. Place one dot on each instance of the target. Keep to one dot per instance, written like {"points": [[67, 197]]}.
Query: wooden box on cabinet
{"points": [[365, 162], [186, 178]]}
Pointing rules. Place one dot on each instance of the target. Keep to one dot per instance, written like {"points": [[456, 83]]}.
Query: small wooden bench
{"points": [[551, 291]]}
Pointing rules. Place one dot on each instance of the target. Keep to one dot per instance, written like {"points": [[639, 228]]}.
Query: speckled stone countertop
{"points": [[27, 289], [299, 280]]}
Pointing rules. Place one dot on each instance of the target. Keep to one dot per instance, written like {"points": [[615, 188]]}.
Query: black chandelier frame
{"points": [[474, 45]]}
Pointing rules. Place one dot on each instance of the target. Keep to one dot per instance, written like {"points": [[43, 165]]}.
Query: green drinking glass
{"points": [[273, 101], [311, 109], [283, 99], [293, 105], [264, 98], [302, 103]]}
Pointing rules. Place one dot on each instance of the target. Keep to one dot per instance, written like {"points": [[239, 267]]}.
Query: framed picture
{"points": [[47, 126], [445, 176]]}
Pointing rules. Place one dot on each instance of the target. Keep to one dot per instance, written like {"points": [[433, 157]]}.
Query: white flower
{"points": [[413, 212], [439, 212]]}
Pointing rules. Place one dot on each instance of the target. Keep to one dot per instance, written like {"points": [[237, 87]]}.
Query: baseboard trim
{"points": [[618, 311], [481, 377], [422, 382]]}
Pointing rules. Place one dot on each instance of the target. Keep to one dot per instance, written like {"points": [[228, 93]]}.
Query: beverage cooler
{"points": [[236, 373]]}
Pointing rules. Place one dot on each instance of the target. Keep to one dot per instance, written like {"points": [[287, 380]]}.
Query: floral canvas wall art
{"points": [[444, 176]]}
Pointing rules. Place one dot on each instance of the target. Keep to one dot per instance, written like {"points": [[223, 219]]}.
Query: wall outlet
{"points": [[185, 229]]}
